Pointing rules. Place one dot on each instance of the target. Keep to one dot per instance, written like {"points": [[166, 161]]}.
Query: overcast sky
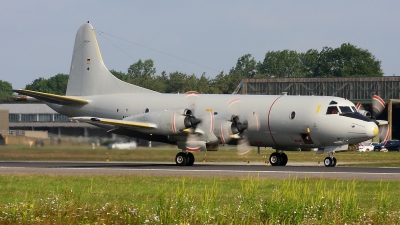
{"points": [[37, 37]]}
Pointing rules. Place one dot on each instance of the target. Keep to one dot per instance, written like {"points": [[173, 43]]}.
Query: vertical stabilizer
{"points": [[88, 74]]}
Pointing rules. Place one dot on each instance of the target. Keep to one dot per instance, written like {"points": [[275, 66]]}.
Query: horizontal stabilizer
{"points": [[115, 123], [52, 98]]}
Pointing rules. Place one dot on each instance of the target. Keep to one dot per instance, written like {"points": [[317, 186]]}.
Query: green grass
{"points": [[133, 199]]}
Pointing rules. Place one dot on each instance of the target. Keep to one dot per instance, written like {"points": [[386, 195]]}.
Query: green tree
{"points": [[347, 61], [160, 83], [284, 63], [354, 61], [176, 82], [203, 85], [220, 84], [309, 61], [245, 66], [5, 91], [120, 75], [142, 73], [54, 85]]}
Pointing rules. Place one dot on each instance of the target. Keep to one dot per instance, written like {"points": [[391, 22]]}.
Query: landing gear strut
{"points": [[278, 159], [330, 161], [184, 159]]}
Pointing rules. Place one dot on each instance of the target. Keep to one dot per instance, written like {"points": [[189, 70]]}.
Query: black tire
{"points": [[284, 159], [181, 159], [334, 161], [275, 159], [190, 158], [328, 162]]}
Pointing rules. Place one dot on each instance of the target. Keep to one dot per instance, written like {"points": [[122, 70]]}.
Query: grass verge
{"points": [[133, 199]]}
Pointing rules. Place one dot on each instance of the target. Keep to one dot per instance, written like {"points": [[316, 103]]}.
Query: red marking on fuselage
{"points": [[269, 113], [233, 101], [173, 123], [192, 93], [221, 136], [189, 149]]}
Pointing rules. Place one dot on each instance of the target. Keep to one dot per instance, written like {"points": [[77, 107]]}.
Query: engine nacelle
{"points": [[365, 113], [169, 121], [228, 127]]}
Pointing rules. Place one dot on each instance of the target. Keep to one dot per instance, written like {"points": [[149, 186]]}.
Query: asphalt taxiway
{"points": [[299, 170]]}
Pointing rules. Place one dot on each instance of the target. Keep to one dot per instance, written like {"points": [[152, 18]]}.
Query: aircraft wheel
{"points": [[181, 159], [328, 162], [190, 159], [334, 161], [284, 159], [275, 159]]}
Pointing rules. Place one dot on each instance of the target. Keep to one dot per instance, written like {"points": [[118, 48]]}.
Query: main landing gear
{"points": [[278, 158], [184, 159], [330, 161]]}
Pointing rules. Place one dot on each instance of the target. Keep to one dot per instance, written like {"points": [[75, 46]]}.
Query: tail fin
{"points": [[88, 74]]}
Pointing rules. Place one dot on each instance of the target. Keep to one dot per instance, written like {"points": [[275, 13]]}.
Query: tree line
{"points": [[344, 61]]}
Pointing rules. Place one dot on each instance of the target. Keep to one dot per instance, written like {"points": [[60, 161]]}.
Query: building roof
{"points": [[27, 108]]}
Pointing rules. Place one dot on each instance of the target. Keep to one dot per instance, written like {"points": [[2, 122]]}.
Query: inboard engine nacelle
{"points": [[168, 121]]}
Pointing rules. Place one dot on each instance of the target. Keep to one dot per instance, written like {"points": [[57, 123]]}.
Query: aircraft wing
{"points": [[115, 123], [52, 98]]}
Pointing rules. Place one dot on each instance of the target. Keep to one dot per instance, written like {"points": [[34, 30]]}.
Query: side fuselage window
{"points": [[332, 110]]}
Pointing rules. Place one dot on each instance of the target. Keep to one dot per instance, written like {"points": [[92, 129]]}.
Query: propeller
{"points": [[191, 121], [378, 105], [234, 128]]}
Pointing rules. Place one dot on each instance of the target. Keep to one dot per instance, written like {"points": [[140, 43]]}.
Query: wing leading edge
{"points": [[52, 98], [115, 123]]}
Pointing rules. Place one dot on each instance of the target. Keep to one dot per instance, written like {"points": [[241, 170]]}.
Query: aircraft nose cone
{"points": [[372, 130], [375, 130]]}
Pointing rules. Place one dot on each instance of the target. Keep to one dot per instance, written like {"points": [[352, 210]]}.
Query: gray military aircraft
{"points": [[201, 122]]}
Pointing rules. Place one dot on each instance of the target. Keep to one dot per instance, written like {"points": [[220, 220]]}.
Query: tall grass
{"points": [[185, 200]]}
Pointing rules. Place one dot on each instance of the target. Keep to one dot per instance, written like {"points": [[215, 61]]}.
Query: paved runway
{"points": [[300, 170]]}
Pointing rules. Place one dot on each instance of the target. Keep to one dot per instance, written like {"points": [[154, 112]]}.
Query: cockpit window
{"points": [[354, 109], [332, 110], [345, 109]]}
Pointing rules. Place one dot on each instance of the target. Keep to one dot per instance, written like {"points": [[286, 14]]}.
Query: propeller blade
{"points": [[384, 132], [243, 147], [191, 98], [234, 106], [378, 105], [359, 106], [253, 121], [192, 143]]}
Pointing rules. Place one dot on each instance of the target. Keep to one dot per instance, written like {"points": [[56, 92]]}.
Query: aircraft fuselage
{"points": [[277, 121]]}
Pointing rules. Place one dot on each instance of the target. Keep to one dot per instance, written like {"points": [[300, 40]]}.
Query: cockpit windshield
{"points": [[332, 110], [341, 109], [345, 109]]}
